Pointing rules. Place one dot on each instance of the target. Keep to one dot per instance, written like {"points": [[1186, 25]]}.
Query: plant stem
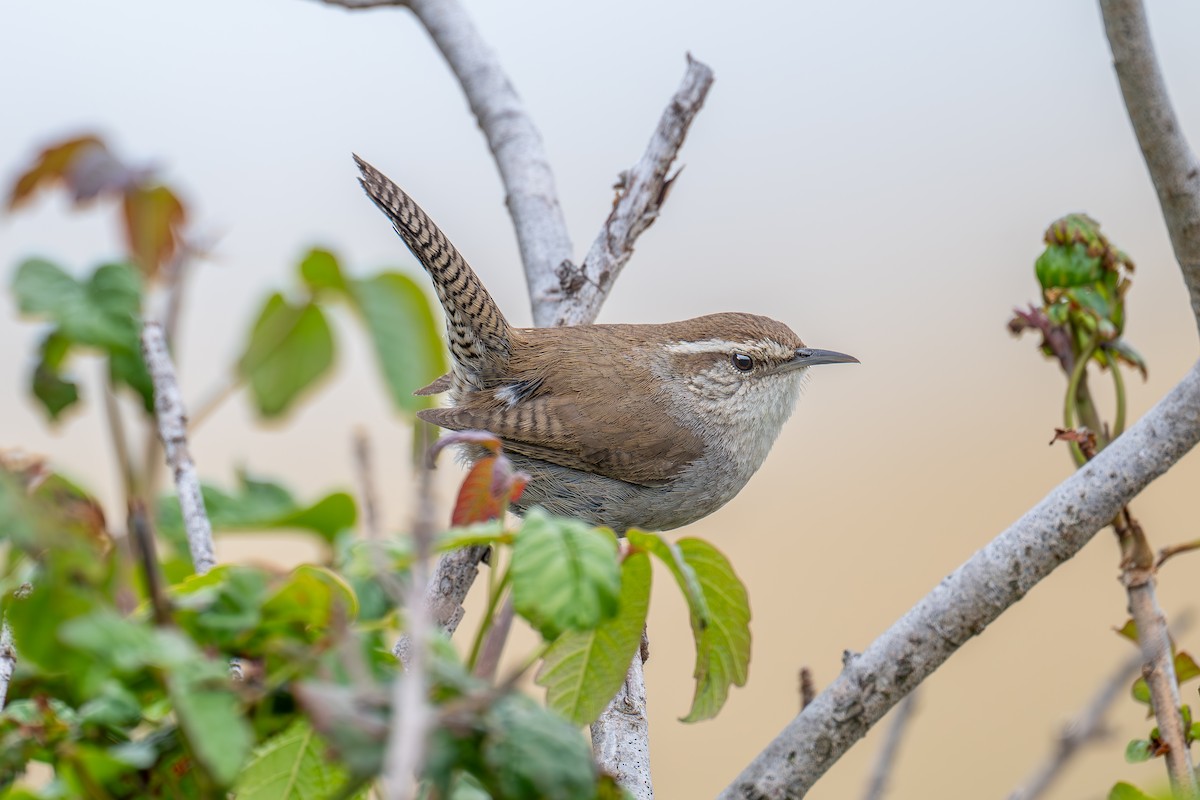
{"points": [[1072, 400], [1119, 391], [489, 615], [116, 430], [210, 403]]}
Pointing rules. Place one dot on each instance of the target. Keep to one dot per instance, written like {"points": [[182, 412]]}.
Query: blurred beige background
{"points": [[876, 174]]}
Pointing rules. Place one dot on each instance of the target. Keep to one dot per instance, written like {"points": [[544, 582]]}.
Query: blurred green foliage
{"points": [[135, 677]]}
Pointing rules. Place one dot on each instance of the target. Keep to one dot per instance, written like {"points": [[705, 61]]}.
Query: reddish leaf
{"points": [[1078, 435], [477, 499], [487, 490], [84, 166], [491, 484], [153, 217]]}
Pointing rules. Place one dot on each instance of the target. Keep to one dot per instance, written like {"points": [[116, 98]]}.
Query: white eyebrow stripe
{"points": [[707, 346]]}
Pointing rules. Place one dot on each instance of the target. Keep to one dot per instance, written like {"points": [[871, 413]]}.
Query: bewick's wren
{"points": [[649, 426]]}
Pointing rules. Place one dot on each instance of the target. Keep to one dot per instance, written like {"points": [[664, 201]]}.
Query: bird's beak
{"points": [[810, 357]]}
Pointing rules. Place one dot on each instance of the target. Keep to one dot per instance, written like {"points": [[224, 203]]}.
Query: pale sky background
{"points": [[877, 175]]}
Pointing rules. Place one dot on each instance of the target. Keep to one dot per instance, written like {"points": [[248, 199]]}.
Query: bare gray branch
{"points": [[621, 736], [640, 194], [515, 143], [8, 660], [1172, 164], [1088, 725], [172, 429], [1158, 668], [971, 597]]}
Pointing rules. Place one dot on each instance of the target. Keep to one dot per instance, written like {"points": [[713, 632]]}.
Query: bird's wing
{"points": [[611, 438], [442, 384]]}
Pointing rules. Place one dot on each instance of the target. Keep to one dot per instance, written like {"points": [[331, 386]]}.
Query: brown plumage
{"points": [[651, 426]]}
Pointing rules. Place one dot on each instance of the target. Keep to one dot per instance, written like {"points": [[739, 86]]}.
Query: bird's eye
{"points": [[742, 362]]}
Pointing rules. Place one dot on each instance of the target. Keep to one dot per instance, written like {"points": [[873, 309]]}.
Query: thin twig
{"points": [[1170, 551], [8, 660], [808, 689], [1158, 658], [493, 644], [152, 459], [172, 429], [359, 5], [1088, 726], [214, 400], [176, 282], [971, 597], [366, 485], [621, 735], [116, 432], [412, 718], [642, 191], [142, 539], [886, 760]]}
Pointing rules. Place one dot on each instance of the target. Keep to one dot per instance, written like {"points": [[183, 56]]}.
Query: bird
{"points": [[649, 426]]}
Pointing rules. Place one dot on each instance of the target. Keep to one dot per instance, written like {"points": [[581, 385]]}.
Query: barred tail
{"points": [[478, 333]]}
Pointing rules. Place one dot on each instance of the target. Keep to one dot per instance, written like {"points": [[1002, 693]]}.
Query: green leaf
{"points": [[49, 386], [114, 706], [723, 647], [533, 754], [126, 644], [719, 612], [1128, 631], [211, 717], [1125, 352], [42, 287], [104, 313], [1139, 750], [291, 764], [564, 574], [308, 604], [222, 606], [659, 547], [489, 533], [403, 329], [328, 517], [353, 721], [289, 349], [320, 270], [1067, 265], [260, 505], [126, 367], [1141, 691], [1125, 791], [583, 670], [1186, 667], [467, 787]]}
